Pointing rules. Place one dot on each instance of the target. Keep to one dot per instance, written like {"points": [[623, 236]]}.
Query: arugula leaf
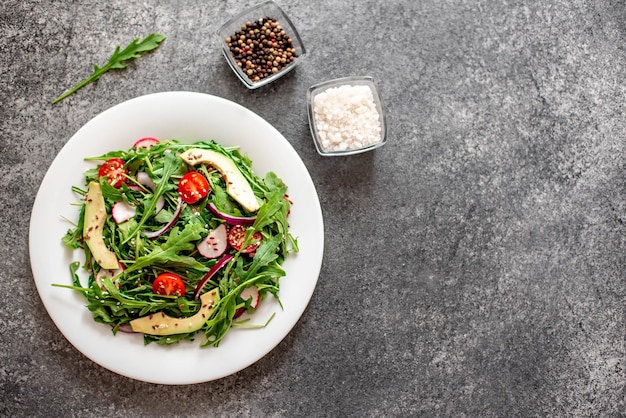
{"points": [[267, 212], [74, 266], [265, 254], [217, 326], [117, 61], [171, 165], [74, 237], [169, 252]]}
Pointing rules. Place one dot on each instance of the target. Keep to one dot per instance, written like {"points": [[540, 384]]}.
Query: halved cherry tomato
{"points": [[236, 236], [168, 284], [113, 169], [193, 187]]}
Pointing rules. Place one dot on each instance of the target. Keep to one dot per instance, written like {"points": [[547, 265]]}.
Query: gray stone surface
{"points": [[474, 266]]}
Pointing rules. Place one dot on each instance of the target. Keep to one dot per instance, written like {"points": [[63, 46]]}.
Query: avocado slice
{"points": [[236, 184], [162, 324], [95, 216]]}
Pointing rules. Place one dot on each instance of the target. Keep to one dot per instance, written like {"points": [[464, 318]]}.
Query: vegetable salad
{"points": [[177, 229]]}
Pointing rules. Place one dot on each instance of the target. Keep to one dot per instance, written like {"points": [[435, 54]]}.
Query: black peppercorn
{"points": [[261, 48]]}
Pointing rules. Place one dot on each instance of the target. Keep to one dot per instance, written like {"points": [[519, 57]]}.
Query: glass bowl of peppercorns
{"points": [[261, 44]]}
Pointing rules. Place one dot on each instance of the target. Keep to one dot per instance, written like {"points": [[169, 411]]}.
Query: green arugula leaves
{"points": [[173, 251], [118, 61], [117, 300]]}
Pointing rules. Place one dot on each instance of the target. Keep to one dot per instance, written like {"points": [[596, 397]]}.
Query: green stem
{"points": [[94, 77]]}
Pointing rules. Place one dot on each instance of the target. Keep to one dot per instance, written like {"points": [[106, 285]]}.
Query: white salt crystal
{"points": [[346, 118]]}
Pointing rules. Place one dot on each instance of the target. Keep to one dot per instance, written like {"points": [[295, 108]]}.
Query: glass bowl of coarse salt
{"points": [[346, 116], [261, 44]]}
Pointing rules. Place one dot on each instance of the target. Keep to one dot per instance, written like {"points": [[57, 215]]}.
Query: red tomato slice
{"points": [[237, 234], [168, 284], [113, 169], [193, 187]]}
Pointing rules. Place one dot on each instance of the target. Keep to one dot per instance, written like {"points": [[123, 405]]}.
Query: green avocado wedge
{"points": [[160, 323], [95, 216], [236, 184]]}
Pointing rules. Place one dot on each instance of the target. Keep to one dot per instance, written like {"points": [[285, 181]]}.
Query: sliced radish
{"points": [[109, 274], [220, 263], [215, 243], [122, 212], [159, 204], [144, 179], [231, 219], [251, 292], [145, 143], [154, 234], [246, 294]]}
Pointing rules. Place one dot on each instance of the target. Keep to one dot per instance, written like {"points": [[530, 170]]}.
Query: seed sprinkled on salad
{"points": [[170, 285]]}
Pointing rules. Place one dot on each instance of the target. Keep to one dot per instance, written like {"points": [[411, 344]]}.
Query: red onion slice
{"points": [[125, 328], [231, 219], [220, 263], [167, 226]]}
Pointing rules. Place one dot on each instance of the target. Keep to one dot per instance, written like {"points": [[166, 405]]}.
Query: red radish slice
{"points": [[144, 179], [231, 219], [246, 294], [215, 243], [108, 273], [122, 212], [159, 204], [251, 292], [145, 143], [220, 263], [154, 234]]}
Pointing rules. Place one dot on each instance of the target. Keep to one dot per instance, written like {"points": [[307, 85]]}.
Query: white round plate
{"points": [[188, 117]]}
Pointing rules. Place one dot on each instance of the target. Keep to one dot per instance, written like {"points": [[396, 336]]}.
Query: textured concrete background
{"points": [[474, 266]]}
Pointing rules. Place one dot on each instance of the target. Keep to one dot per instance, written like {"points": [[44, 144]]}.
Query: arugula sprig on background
{"points": [[118, 60]]}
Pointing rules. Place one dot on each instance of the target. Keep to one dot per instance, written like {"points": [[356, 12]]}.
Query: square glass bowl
{"points": [[254, 15], [352, 125]]}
